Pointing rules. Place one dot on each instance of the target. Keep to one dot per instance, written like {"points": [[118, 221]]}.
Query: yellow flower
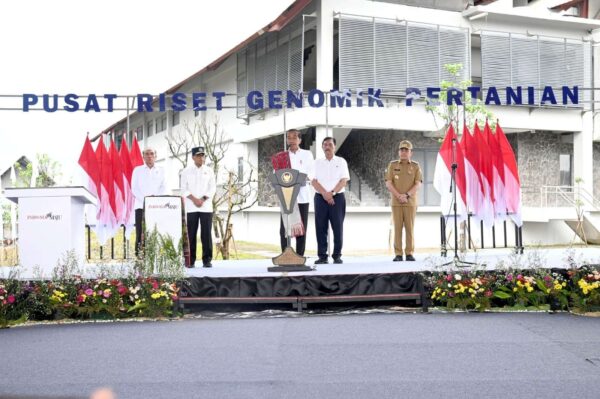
{"points": [[529, 289], [558, 287], [515, 289], [156, 295]]}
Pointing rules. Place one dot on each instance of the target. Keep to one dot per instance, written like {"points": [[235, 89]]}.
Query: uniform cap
{"points": [[405, 144]]}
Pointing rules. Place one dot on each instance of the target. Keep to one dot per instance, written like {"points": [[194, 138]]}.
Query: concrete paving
{"points": [[336, 356]]}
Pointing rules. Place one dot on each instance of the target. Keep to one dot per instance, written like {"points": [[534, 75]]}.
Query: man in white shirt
{"points": [[147, 179], [331, 175], [198, 187], [303, 161]]}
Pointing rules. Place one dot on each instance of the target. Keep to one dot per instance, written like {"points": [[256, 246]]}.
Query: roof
{"points": [[276, 25]]}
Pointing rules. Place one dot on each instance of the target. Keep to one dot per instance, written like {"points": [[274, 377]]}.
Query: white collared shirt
{"points": [[200, 182], [147, 181], [329, 172], [303, 161]]}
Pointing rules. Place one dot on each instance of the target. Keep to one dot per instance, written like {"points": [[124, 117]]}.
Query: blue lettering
{"points": [[548, 95], [71, 101], [275, 99], [162, 102], [218, 95], [340, 99], [109, 102], [492, 96], [454, 97], [412, 93], [294, 98], [514, 97], [474, 90], [320, 98], [572, 95], [199, 101], [28, 100], [92, 102], [144, 102], [255, 100], [433, 95], [374, 97], [530, 95], [178, 102], [47, 107]]}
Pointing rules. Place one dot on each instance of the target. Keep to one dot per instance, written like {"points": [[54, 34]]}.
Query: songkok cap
{"points": [[405, 144], [197, 150]]}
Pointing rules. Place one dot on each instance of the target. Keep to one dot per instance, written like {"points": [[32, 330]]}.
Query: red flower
{"points": [[154, 285], [11, 298], [122, 290]]}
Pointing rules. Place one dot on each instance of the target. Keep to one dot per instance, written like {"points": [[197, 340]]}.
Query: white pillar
{"points": [[324, 66], [583, 153]]}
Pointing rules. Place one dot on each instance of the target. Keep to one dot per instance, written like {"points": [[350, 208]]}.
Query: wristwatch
{"points": [[407, 195], [333, 193]]}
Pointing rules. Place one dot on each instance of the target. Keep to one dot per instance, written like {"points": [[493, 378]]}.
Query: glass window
{"points": [[150, 128], [175, 118], [565, 170]]}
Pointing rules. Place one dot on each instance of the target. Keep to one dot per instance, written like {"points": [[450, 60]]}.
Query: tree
{"points": [[235, 192], [454, 113], [48, 172]]}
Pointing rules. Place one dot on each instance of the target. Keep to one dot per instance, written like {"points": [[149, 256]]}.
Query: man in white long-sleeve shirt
{"points": [[147, 179], [198, 187]]}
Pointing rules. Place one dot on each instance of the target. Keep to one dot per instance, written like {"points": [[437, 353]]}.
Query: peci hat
{"points": [[405, 144], [197, 150]]}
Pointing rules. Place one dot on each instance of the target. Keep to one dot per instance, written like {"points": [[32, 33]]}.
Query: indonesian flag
{"points": [[475, 194], [498, 172], [127, 173], [450, 152], [487, 177], [107, 221], [119, 184], [135, 154], [512, 184], [89, 163]]}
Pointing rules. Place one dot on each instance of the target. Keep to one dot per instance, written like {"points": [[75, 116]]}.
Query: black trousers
{"points": [[300, 240], [205, 219], [139, 233], [326, 214]]}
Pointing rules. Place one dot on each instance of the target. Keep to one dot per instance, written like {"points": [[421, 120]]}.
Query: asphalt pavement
{"points": [[396, 355]]}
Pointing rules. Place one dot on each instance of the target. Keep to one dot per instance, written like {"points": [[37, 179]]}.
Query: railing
{"points": [[555, 196], [120, 251]]}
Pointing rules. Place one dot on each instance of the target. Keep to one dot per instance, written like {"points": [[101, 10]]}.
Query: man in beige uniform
{"points": [[403, 179]]}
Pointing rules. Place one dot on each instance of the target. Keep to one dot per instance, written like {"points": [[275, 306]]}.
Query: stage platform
{"points": [[358, 279]]}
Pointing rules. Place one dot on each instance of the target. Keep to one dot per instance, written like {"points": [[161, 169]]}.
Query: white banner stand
{"points": [[164, 213], [51, 223]]}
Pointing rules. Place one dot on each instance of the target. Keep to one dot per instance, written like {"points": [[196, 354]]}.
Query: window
{"points": [[428, 196], [240, 168], [565, 170], [150, 128], [175, 118], [139, 133], [161, 123]]}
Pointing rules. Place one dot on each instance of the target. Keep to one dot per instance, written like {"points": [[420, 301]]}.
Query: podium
{"points": [[51, 222]]}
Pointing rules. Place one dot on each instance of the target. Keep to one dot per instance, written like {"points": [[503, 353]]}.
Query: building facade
{"points": [[394, 45]]}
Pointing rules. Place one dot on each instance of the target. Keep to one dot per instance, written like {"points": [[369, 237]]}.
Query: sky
{"points": [[105, 46]]}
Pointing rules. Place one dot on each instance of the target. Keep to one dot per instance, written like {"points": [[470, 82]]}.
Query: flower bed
{"points": [[79, 298], [530, 289]]}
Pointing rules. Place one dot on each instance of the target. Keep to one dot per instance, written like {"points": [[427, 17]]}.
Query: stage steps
{"points": [[590, 225]]}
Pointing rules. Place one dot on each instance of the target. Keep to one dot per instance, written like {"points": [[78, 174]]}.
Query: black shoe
{"points": [[338, 260], [410, 257], [398, 258], [207, 264], [321, 261], [190, 266]]}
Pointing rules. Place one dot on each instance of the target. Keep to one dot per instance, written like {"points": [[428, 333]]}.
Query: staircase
{"points": [[361, 194], [588, 226]]}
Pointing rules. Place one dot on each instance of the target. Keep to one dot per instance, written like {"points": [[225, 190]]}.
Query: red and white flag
{"points": [[127, 172], [89, 163], [486, 172], [451, 152], [475, 194], [119, 183], [498, 172], [135, 154], [107, 224], [512, 184]]}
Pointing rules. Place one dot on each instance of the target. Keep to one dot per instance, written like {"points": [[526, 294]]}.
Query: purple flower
{"points": [[89, 292], [509, 277], [451, 294]]}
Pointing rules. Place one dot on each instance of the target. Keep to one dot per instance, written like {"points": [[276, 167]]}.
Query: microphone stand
{"points": [[456, 261]]}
